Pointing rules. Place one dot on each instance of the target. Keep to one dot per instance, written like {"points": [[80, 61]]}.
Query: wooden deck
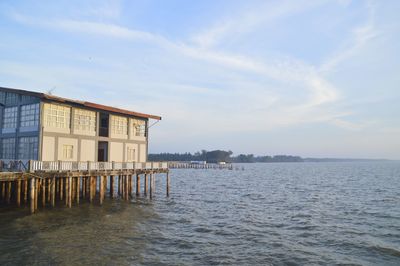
{"points": [[48, 184]]}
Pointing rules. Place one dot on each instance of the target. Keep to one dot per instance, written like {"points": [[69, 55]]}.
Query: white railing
{"points": [[50, 166]]}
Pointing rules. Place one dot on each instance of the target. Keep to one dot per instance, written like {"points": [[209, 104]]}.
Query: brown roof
{"points": [[81, 103]]}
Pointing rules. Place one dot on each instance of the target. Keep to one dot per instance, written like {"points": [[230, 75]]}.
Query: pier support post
{"points": [[151, 186], [126, 188], [61, 188], [111, 186], [154, 183], [48, 189], [53, 192], [36, 193], [19, 192], [91, 188], [168, 185], [78, 189], [3, 190], [32, 195], [101, 188], [67, 184], [119, 185], [26, 190], [9, 184], [83, 187], [70, 192], [145, 184], [43, 182], [137, 184]]}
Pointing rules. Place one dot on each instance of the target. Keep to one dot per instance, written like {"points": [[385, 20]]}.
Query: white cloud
{"points": [[361, 35]]}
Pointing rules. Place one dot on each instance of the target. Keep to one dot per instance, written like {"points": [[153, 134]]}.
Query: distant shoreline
{"points": [[217, 156]]}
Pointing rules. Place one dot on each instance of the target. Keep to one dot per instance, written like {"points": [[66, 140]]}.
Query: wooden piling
{"points": [[36, 193], [137, 185], [3, 190], [53, 192], [101, 188], [145, 184], [9, 185], [91, 188], [67, 185], [151, 185], [70, 192], [78, 186], [19, 192], [26, 190], [168, 184], [119, 185], [48, 189], [43, 182], [61, 188], [111, 186], [32, 195]]}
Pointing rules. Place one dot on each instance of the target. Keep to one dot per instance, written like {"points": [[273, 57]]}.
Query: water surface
{"points": [[269, 214]]}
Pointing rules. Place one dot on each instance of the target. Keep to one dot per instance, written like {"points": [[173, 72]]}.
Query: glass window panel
{"points": [[138, 127], [28, 148], [29, 115], [8, 148], [10, 117]]}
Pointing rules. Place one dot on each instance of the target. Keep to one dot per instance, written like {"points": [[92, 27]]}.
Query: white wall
{"points": [[143, 152], [88, 150], [116, 151], [49, 144]]}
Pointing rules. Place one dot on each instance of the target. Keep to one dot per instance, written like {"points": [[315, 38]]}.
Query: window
{"points": [[119, 125], [30, 115], [28, 148], [85, 120], [11, 98], [138, 127], [68, 152], [10, 117], [56, 116], [8, 148], [2, 97], [28, 99], [130, 154]]}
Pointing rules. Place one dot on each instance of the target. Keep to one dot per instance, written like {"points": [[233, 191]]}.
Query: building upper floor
{"points": [[25, 111]]}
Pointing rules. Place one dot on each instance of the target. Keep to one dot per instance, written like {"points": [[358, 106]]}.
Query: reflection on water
{"points": [[296, 213]]}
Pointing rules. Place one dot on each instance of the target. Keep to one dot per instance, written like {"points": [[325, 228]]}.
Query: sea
{"points": [[345, 213]]}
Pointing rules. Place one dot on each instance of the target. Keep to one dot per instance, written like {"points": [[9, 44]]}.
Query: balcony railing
{"points": [[61, 166]]}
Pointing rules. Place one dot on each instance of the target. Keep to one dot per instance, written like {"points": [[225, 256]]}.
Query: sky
{"points": [[308, 78]]}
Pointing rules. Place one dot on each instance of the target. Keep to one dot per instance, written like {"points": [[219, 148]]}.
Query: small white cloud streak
{"points": [[361, 35], [250, 20]]}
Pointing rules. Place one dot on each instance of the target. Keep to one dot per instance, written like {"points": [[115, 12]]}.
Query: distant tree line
{"points": [[217, 156]]}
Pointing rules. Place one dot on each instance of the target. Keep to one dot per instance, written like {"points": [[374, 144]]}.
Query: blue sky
{"points": [[310, 78]]}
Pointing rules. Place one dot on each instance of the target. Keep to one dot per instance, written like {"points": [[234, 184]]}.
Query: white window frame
{"points": [[68, 152], [84, 120], [130, 154], [119, 125], [138, 127], [57, 116]]}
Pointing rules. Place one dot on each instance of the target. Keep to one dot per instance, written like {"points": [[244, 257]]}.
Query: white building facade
{"points": [[37, 126]]}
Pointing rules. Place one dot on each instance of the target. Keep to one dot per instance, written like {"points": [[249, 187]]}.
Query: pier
{"points": [[191, 165], [53, 183]]}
